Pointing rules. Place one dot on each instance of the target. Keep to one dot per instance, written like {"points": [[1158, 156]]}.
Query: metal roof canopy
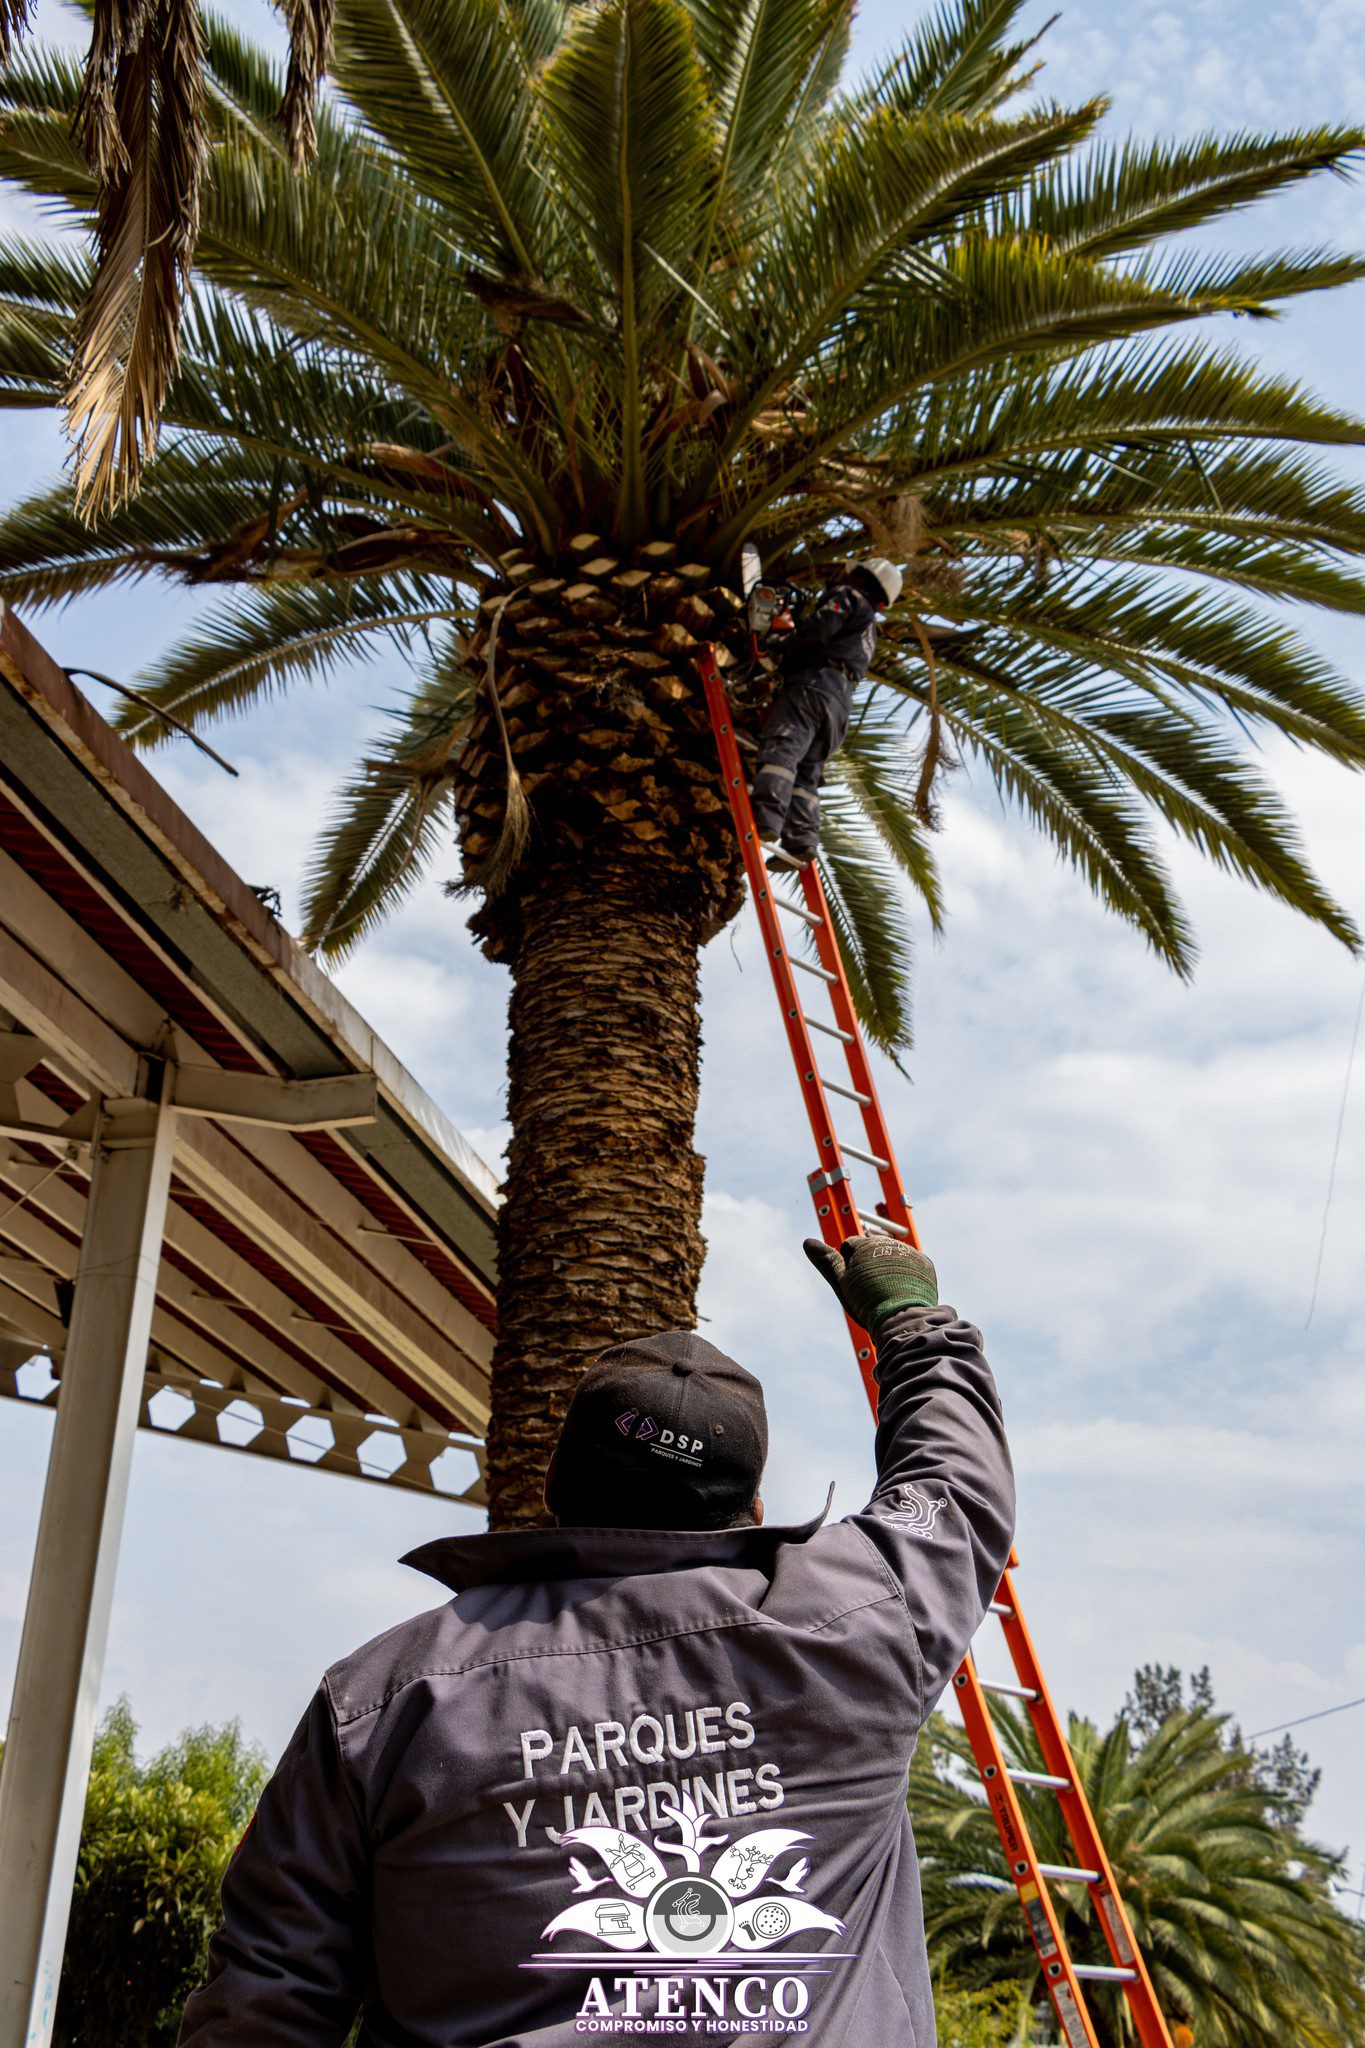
{"points": [[226, 1213], [328, 1275]]}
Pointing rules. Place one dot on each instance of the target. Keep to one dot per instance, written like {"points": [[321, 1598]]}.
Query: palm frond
{"points": [[446, 88], [1045, 764], [643, 270], [763, 60], [1124, 198], [876, 766], [260, 642], [390, 817], [1232, 1910], [141, 122], [627, 128], [958, 61], [871, 921]]}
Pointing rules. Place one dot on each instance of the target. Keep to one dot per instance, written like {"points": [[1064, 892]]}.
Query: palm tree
{"points": [[1231, 1906], [573, 302]]}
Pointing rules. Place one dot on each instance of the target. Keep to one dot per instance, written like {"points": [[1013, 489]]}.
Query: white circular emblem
{"points": [[689, 1916], [771, 1921]]}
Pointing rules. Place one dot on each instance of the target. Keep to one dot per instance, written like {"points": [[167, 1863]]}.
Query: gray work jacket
{"points": [[632, 1784]]}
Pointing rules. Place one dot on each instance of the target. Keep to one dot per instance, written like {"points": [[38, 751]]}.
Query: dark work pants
{"points": [[804, 729]]}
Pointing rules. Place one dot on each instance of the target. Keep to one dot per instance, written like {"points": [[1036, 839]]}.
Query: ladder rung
{"points": [[1063, 1873], [830, 1030], [1104, 1973], [999, 1607], [849, 1094], [892, 1230], [1009, 1692], [868, 1159], [809, 967], [798, 910], [1043, 1778]]}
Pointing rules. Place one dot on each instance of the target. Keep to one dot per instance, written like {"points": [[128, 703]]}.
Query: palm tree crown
{"points": [[1230, 1905], [652, 269]]}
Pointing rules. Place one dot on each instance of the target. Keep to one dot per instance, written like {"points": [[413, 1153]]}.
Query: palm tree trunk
{"points": [[599, 1237]]}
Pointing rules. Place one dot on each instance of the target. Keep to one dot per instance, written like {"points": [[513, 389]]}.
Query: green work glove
{"points": [[875, 1277]]}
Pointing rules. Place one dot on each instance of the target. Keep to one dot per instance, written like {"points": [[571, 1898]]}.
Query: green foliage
{"points": [[651, 269], [155, 1841], [1230, 1902], [1286, 1772], [998, 2017]]}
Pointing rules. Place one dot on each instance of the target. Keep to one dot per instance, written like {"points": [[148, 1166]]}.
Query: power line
{"points": [[1336, 1154], [1303, 1719]]}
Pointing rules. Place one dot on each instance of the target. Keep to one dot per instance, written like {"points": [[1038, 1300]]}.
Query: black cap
{"points": [[662, 1433]]}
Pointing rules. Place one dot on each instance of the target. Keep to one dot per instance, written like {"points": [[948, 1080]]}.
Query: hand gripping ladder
{"points": [[840, 1216]]}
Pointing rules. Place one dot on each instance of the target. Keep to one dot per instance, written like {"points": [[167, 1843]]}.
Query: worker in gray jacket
{"points": [[825, 656], [645, 1773]]}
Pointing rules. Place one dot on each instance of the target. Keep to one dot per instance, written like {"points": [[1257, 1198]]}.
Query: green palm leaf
{"points": [[563, 283]]}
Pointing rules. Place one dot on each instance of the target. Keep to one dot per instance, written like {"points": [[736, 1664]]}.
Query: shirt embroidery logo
{"points": [[714, 1925], [915, 1513]]}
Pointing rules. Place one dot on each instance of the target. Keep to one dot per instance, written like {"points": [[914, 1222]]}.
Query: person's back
{"points": [[637, 1781]]}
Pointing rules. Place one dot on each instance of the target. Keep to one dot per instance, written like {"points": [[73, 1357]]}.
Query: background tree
{"points": [[571, 303], [1286, 1772], [1230, 1902], [155, 1841], [999, 2017]]}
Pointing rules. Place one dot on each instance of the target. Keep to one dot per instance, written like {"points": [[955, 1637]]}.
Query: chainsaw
{"points": [[773, 608]]}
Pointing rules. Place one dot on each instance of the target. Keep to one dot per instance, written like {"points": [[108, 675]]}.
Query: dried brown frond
{"points": [[117, 33], [15, 16], [512, 303], [495, 871], [141, 124], [310, 53], [938, 757]]}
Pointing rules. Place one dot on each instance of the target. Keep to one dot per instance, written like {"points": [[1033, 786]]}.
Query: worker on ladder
{"points": [[827, 650]]}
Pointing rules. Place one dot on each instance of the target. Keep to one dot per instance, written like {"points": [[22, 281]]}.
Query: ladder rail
{"points": [[1021, 1858], [1085, 1836], [839, 1217], [859, 1067]]}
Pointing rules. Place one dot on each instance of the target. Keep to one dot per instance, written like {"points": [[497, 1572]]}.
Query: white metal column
{"points": [[66, 1623]]}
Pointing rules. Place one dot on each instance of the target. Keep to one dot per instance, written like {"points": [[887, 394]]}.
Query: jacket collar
{"points": [[519, 1554]]}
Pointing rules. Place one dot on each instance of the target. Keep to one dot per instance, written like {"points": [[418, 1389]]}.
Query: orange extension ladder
{"points": [[836, 1207]]}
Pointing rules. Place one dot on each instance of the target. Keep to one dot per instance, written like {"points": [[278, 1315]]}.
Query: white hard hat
{"points": [[884, 573]]}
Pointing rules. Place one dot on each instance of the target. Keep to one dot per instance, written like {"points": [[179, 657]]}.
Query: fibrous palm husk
{"points": [[590, 727]]}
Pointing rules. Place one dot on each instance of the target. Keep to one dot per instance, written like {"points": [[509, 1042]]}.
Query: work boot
{"points": [[800, 853]]}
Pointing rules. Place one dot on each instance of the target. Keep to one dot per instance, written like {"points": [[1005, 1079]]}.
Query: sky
{"points": [[1122, 1179]]}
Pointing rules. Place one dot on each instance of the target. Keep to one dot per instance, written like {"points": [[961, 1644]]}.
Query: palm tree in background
{"points": [[1230, 1904], [574, 301]]}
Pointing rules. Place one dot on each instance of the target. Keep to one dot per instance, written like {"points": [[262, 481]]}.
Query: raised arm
{"points": [[841, 609], [942, 1511], [287, 1966]]}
